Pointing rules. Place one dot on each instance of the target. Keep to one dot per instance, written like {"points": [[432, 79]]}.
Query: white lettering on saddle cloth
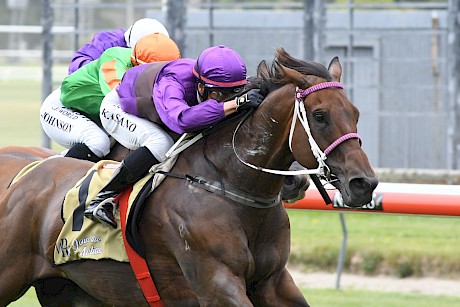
{"points": [[82, 247]]}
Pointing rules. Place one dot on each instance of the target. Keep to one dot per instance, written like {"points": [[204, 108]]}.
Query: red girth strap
{"points": [[138, 263]]}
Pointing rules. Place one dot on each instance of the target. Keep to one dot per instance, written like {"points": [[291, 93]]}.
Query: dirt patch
{"points": [[426, 286]]}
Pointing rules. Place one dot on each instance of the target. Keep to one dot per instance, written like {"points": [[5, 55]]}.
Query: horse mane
{"points": [[270, 78]]}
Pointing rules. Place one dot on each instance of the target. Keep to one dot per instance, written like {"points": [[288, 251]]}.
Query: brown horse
{"points": [[201, 247]]}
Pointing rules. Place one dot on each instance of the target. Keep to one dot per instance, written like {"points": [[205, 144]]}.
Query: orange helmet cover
{"points": [[155, 47]]}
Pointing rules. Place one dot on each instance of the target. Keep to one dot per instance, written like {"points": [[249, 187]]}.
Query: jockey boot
{"points": [[133, 168], [82, 152]]}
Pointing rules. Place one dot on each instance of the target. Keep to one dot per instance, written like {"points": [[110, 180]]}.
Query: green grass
{"points": [[19, 113], [20, 103], [352, 298]]}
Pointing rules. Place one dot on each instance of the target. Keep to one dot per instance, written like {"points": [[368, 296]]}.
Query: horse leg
{"points": [[272, 285], [17, 258], [216, 284], [59, 291], [216, 272], [11, 293], [278, 290]]}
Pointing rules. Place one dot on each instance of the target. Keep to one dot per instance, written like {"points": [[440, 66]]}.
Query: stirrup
{"points": [[93, 204], [100, 217]]}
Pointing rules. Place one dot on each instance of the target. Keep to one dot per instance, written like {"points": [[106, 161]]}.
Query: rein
{"points": [[301, 114]]}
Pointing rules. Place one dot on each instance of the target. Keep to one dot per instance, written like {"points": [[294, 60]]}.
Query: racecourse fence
{"points": [[396, 198]]}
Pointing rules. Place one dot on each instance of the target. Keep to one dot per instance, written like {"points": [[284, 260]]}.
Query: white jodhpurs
{"points": [[132, 131], [68, 127]]}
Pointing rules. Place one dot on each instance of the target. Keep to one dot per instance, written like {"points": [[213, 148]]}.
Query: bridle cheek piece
{"points": [[301, 114]]}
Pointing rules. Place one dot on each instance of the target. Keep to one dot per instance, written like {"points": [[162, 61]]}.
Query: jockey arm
{"points": [[92, 51], [182, 115]]}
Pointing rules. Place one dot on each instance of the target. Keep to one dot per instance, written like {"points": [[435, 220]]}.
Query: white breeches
{"points": [[132, 131], [68, 127]]}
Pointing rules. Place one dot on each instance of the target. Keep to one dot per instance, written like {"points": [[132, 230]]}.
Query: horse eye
{"points": [[319, 116]]}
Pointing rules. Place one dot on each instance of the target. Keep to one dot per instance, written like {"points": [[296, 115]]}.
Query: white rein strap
{"points": [[301, 114]]}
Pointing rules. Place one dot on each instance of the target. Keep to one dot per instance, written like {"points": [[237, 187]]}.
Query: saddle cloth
{"points": [[82, 238]]}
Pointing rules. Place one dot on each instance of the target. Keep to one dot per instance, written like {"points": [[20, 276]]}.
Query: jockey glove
{"points": [[251, 99]]}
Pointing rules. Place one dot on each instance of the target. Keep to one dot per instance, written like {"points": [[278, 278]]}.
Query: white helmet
{"points": [[141, 28]]}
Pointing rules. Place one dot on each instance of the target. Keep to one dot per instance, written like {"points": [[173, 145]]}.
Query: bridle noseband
{"points": [[301, 114]]}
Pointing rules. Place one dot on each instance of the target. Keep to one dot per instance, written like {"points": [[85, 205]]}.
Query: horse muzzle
{"points": [[357, 190]]}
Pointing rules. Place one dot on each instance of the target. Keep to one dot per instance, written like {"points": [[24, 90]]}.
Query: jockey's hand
{"points": [[251, 99]]}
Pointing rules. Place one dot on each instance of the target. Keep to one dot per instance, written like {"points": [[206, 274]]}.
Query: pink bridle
{"points": [[302, 94], [300, 114]]}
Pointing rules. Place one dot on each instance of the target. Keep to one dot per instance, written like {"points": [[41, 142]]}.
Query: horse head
{"points": [[316, 123]]}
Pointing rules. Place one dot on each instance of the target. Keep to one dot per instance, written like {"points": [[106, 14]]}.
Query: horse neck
{"points": [[262, 140]]}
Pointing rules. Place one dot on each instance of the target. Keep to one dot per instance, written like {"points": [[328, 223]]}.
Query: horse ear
{"points": [[335, 69], [262, 70], [293, 76]]}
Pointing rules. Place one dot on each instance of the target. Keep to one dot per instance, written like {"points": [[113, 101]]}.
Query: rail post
{"points": [[47, 20]]}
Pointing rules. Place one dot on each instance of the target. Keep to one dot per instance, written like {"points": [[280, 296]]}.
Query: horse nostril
{"points": [[363, 185]]}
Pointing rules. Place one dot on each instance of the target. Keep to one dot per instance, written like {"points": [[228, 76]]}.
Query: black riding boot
{"points": [[132, 168], [82, 152]]}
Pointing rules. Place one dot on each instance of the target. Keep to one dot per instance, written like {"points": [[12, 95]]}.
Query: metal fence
{"points": [[400, 60]]}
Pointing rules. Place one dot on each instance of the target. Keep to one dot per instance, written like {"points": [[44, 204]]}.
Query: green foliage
{"points": [[371, 261]]}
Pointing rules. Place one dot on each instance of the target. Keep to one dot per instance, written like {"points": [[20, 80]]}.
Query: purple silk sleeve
{"points": [[92, 51]]}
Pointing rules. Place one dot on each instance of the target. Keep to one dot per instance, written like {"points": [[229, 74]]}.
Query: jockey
{"points": [[70, 115], [116, 38], [187, 95]]}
